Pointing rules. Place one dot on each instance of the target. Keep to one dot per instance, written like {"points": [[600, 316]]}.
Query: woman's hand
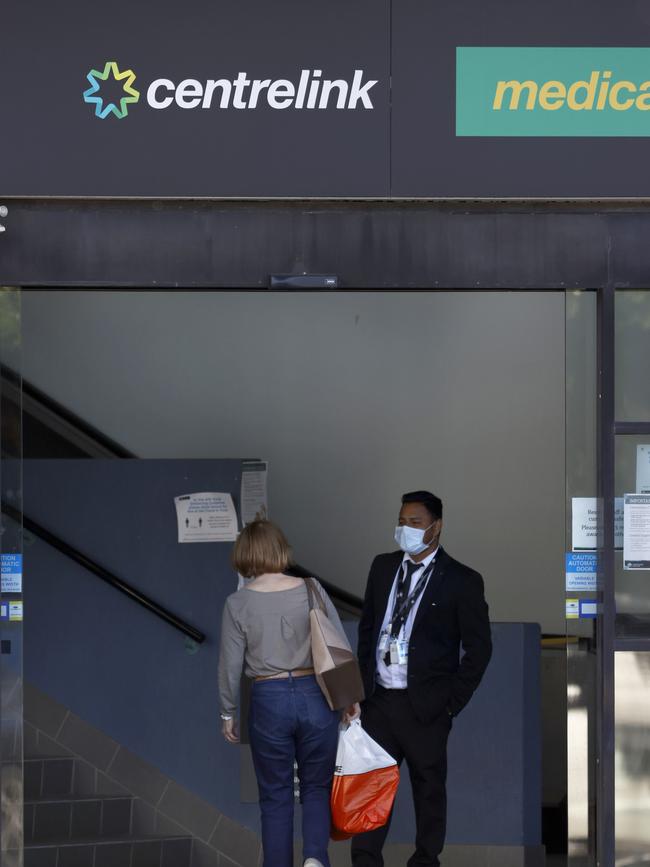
{"points": [[228, 731], [351, 713]]}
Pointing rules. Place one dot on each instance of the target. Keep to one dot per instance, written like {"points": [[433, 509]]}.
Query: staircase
{"points": [[75, 816]]}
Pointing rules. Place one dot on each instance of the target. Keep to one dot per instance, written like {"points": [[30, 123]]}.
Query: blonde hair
{"points": [[260, 548]]}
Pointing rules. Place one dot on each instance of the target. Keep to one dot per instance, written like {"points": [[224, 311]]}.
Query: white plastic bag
{"points": [[365, 781]]}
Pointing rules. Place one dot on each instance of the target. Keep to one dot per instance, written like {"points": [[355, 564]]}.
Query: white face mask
{"points": [[411, 539]]}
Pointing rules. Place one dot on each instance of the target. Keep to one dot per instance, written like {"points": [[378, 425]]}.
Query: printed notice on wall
{"points": [[206, 517], [643, 469], [254, 499], [12, 573], [636, 545], [584, 524]]}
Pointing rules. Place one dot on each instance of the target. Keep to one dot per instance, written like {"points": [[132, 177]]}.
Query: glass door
{"points": [[580, 574], [631, 579], [11, 599], [608, 577]]}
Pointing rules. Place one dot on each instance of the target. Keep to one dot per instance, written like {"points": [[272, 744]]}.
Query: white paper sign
{"points": [[636, 545], [584, 523], [206, 517], [643, 469], [584, 536], [254, 499]]}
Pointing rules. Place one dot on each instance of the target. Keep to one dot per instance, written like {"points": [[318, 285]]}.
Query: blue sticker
{"points": [[11, 569], [588, 609], [581, 571]]}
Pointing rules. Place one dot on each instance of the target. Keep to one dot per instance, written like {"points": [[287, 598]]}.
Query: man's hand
{"points": [[351, 713], [228, 731]]}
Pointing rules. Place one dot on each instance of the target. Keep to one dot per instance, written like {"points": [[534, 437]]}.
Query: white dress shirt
{"points": [[395, 676]]}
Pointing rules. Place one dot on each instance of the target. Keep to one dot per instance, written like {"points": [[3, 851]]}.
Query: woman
{"points": [[266, 630]]}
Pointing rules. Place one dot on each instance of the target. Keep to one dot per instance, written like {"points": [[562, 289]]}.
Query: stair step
{"points": [[72, 819], [61, 799], [91, 841], [136, 852], [66, 775]]}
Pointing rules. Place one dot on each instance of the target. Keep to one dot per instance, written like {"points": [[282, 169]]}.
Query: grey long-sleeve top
{"points": [[265, 633]]}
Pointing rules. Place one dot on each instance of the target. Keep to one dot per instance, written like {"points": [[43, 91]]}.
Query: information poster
{"points": [[643, 469], [206, 517], [636, 544], [254, 499]]}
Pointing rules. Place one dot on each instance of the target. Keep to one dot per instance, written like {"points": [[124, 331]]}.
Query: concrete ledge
{"points": [[397, 855]]}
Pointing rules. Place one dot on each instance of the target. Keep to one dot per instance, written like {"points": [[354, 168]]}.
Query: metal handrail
{"points": [[91, 566], [28, 397], [345, 600]]}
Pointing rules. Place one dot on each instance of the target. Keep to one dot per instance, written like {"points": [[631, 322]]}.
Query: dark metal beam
{"points": [[634, 644], [632, 428], [606, 623], [170, 244]]}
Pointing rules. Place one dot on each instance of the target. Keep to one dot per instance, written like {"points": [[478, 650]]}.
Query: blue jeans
{"points": [[290, 719]]}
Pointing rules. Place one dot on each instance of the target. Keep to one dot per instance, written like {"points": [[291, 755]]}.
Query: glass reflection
{"points": [[632, 355], [632, 759], [632, 587], [11, 633]]}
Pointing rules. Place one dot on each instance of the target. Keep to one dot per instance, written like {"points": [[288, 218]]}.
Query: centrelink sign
{"points": [[309, 91], [564, 91], [326, 99]]}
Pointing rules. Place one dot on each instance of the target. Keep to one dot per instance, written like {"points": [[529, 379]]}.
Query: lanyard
{"points": [[409, 602]]}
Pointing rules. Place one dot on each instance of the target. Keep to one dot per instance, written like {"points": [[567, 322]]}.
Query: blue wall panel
{"points": [[107, 659]]}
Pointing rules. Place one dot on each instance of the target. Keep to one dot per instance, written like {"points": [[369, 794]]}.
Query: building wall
{"points": [[353, 398]]}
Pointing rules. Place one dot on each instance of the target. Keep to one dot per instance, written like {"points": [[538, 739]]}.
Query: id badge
{"points": [[394, 653], [402, 652], [383, 642]]}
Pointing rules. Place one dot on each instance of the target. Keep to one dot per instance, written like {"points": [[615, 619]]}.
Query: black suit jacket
{"points": [[452, 613]]}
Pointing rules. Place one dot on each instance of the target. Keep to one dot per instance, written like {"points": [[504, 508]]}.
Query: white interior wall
{"points": [[354, 398]]}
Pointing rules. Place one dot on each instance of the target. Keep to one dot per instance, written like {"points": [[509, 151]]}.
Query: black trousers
{"points": [[388, 717]]}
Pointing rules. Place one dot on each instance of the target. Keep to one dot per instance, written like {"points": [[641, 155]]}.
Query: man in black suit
{"points": [[420, 606]]}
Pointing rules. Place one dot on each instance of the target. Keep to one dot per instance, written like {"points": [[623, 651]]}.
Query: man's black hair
{"points": [[430, 502]]}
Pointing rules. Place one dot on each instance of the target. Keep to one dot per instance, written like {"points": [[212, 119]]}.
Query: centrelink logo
{"points": [[308, 91], [93, 94]]}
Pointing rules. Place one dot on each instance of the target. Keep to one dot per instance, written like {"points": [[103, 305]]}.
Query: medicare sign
{"points": [[552, 91]]}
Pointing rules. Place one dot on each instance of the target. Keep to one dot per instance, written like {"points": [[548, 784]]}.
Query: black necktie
{"points": [[403, 587]]}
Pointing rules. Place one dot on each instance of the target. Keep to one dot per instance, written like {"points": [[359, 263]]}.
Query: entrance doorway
{"points": [[488, 398]]}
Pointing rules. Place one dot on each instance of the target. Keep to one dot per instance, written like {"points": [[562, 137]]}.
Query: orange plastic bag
{"points": [[365, 781]]}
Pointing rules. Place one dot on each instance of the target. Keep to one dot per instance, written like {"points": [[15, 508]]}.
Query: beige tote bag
{"points": [[336, 667]]}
